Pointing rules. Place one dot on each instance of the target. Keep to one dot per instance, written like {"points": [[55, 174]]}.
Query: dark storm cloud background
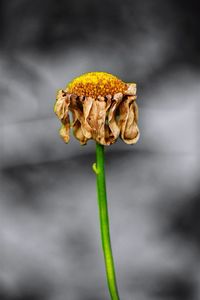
{"points": [[50, 243]]}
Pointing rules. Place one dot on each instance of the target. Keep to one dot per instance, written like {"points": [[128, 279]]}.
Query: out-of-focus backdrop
{"points": [[50, 245]]}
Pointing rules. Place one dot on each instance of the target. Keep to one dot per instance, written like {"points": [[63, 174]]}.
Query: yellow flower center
{"points": [[96, 84]]}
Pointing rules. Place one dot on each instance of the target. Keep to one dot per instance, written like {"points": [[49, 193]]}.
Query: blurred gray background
{"points": [[50, 246]]}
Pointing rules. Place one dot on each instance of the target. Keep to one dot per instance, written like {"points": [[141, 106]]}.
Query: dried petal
{"points": [[87, 105], [64, 132], [131, 89], [112, 123], [61, 109], [101, 119], [92, 118], [128, 121], [61, 106], [78, 133]]}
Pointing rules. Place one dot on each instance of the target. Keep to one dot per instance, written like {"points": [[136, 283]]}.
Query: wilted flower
{"points": [[103, 108]]}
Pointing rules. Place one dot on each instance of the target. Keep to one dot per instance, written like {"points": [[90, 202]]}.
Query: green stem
{"points": [[104, 222]]}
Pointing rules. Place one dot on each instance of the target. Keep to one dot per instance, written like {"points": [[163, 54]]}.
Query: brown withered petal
{"points": [[77, 124], [78, 133], [128, 115], [102, 118], [112, 115], [131, 89], [87, 105], [61, 107], [64, 132]]}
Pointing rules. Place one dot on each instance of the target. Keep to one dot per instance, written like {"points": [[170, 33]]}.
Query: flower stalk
{"points": [[99, 169]]}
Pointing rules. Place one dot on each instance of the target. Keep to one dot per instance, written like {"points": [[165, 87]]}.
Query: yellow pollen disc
{"points": [[96, 84]]}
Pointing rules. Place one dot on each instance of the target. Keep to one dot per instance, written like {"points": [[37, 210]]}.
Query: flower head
{"points": [[103, 108], [96, 84]]}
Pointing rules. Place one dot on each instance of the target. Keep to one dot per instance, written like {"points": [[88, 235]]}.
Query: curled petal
{"points": [[61, 109], [101, 119], [100, 134], [81, 127], [128, 121], [81, 132], [112, 123], [131, 89], [61, 106], [87, 105], [64, 132], [92, 117], [78, 133], [77, 130]]}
